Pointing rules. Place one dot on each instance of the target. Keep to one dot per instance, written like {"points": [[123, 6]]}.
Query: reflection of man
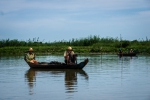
{"points": [[30, 75], [70, 80]]}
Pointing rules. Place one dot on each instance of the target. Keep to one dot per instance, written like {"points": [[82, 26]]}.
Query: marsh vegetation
{"points": [[91, 44]]}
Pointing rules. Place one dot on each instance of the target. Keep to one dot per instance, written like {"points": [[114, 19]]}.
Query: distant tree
{"points": [[125, 43]]}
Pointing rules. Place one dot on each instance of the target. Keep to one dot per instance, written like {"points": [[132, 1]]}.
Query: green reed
{"points": [[91, 44]]}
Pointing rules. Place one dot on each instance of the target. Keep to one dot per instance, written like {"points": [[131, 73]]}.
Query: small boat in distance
{"points": [[58, 65], [126, 54]]}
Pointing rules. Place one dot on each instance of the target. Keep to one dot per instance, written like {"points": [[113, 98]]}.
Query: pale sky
{"points": [[55, 20]]}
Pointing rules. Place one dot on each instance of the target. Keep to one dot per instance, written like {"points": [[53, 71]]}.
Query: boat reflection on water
{"points": [[70, 77]]}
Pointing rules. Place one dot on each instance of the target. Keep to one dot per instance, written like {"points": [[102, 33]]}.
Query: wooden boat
{"points": [[58, 65], [126, 54]]}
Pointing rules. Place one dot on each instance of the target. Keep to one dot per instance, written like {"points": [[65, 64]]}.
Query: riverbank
{"points": [[80, 50], [89, 45], [61, 49]]}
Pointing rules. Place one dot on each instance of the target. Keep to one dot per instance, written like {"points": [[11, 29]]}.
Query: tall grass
{"points": [[82, 45], [89, 41]]}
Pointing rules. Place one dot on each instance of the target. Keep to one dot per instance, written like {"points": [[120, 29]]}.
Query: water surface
{"points": [[105, 77]]}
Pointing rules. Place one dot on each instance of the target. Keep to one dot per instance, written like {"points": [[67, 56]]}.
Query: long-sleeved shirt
{"points": [[67, 53], [30, 57]]}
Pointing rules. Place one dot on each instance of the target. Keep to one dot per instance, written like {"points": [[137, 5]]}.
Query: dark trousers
{"points": [[72, 58]]}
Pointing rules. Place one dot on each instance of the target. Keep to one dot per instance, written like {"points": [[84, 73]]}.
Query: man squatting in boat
{"points": [[70, 56]]}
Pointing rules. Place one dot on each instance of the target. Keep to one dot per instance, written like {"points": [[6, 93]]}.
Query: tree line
{"points": [[94, 44]]}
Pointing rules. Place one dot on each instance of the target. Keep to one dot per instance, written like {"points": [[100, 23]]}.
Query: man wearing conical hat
{"points": [[70, 56], [30, 57], [131, 51]]}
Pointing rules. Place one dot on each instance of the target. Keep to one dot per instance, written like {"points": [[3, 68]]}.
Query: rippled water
{"points": [[105, 77]]}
